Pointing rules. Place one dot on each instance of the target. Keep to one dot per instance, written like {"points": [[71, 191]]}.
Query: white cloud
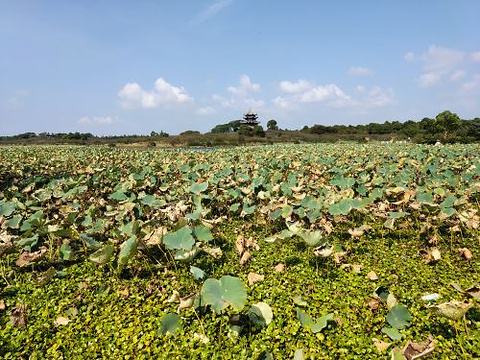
{"points": [[473, 84], [457, 75], [133, 96], [246, 86], [439, 64], [360, 89], [359, 71], [409, 56], [241, 96], [211, 11], [295, 87], [306, 92], [207, 110], [101, 120], [378, 98], [330, 92], [429, 79], [282, 102]]}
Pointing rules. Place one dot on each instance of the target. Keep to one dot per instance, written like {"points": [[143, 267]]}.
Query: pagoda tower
{"points": [[250, 119]]}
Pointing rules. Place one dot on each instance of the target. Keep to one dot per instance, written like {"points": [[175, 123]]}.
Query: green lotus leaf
{"points": [[170, 323], [228, 291], [7, 208], [198, 188], [260, 314], [315, 326], [312, 238], [198, 274], [181, 239], [66, 251], [399, 317], [102, 255], [392, 333], [128, 250], [202, 233]]}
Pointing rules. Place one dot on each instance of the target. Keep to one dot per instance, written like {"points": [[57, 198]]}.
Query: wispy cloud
{"points": [[241, 96], [210, 11], [100, 120], [359, 71], [17, 99]]}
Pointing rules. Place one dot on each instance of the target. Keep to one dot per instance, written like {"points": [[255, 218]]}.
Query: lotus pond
{"points": [[338, 251]]}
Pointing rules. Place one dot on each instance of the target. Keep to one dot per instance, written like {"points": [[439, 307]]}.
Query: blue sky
{"points": [[124, 67]]}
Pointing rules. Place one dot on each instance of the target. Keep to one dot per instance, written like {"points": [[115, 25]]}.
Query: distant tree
{"points": [[190, 132], [446, 124], [258, 131], [272, 125]]}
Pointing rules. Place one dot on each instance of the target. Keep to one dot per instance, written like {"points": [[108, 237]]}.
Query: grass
{"points": [[117, 316]]}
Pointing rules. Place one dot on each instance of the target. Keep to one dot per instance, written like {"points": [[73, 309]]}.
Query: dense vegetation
{"points": [[446, 127], [323, 251]]}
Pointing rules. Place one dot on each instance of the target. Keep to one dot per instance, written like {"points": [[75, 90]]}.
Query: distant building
{"points": [[250, 119]]}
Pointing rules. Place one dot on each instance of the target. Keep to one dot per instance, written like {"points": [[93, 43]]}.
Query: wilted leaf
{"points": [[436, 254], [186, 302], [466, 254], [260, 314], [474, 292], [170, 323], [372, 276], [27, 257], [201, 338], [2, 305], [253, 278], [62, 321], [323, 251], [240, 245], [280, 267], [175, 297], [47, 276], [453, 310], [373, 304], [391, 301], [356, 232], [19, 316], [381, 345], [417, 350], [245, 257]]}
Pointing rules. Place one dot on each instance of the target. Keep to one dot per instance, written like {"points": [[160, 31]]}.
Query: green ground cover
{"points": [[293, 251]]}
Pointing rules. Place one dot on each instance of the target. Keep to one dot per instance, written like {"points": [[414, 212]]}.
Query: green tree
{"points": [[272, 125], [446, 124]]}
